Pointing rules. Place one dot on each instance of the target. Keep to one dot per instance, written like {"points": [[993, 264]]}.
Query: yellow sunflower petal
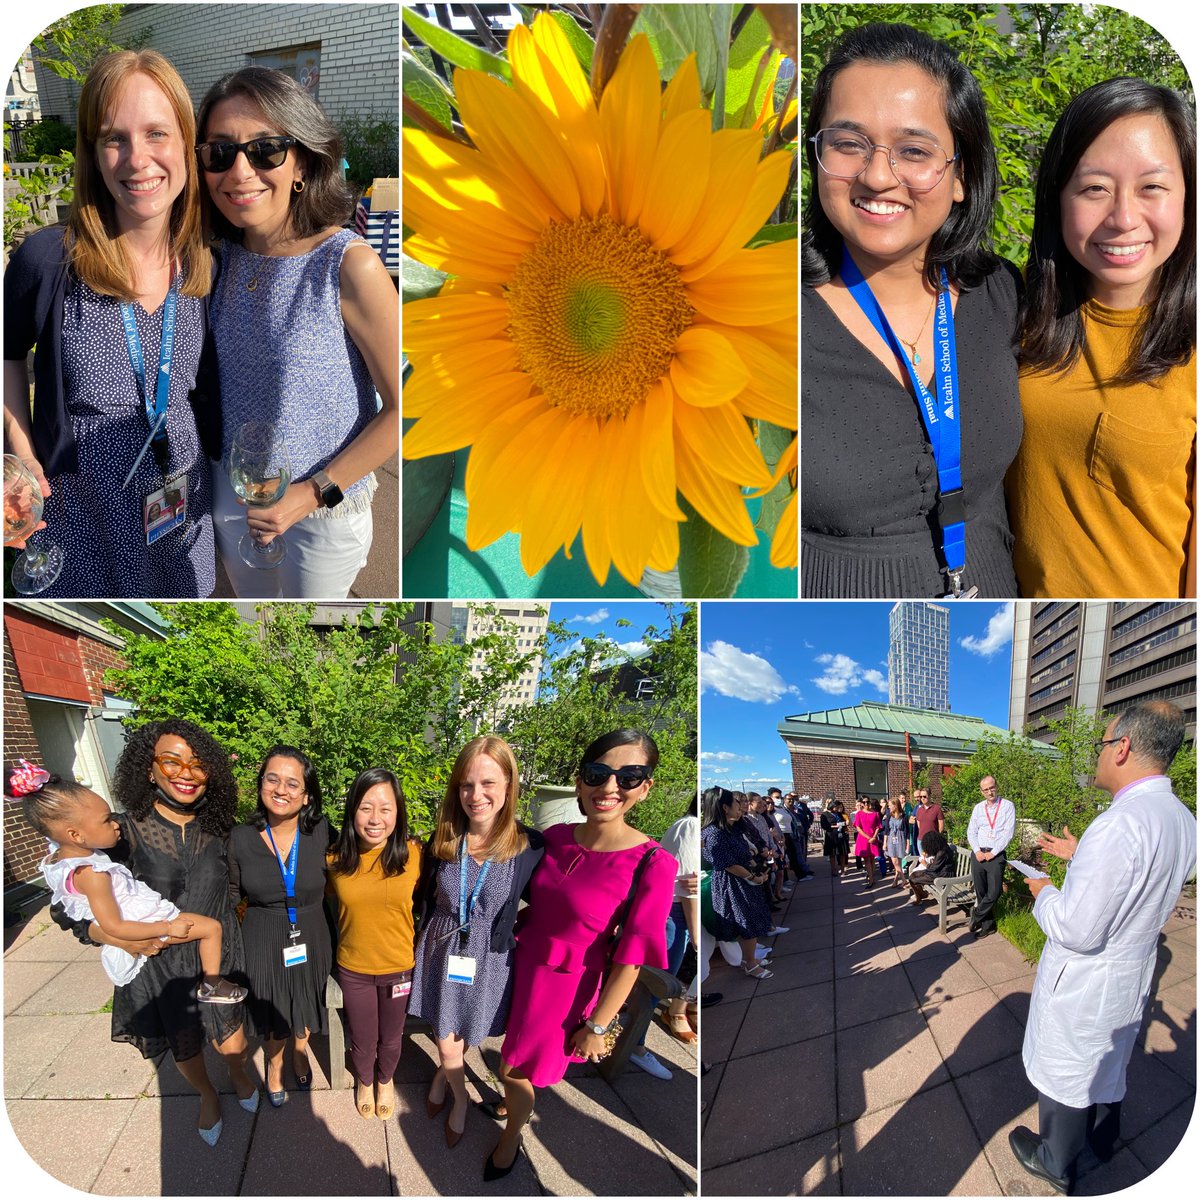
{"points": [[457, 421], [516, 141], [784, 551], [664, 555], [751, 287], [721, 439], [683, 92], [598, 504], [443, 322], [658, 449], [732, 167], [629, 120], [770, 180], [771, 391], [706, 369], [438, 375], [718, 501], [547, 73], [683, 153], [554, 503], [436, 253]]}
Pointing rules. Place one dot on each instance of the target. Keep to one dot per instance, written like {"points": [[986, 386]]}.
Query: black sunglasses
{"points": [[596, 774], [264, 154]]}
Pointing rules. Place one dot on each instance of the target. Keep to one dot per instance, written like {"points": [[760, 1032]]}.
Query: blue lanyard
{"points": [[156, 411], [467, 906], [288, 870], [939, 412]]}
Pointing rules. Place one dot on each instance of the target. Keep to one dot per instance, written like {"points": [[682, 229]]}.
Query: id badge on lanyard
{"points": [[165, 508], [460, 967], [295, 952], [939, 415]]}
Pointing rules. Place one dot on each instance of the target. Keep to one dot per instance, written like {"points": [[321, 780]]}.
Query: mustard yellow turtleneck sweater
{"points": [[375, 915], [1100, 493]]}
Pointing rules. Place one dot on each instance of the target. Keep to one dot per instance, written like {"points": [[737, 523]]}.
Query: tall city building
{"points": [[528, 623], [919, 656], [1095, 655]]}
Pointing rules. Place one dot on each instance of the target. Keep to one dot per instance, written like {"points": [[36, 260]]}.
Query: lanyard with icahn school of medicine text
{"points": [[288, 871], [939, 413], [467, 906], [156, 411]]}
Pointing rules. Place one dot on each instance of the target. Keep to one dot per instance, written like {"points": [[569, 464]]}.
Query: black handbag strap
{"points": [[627, 907]]}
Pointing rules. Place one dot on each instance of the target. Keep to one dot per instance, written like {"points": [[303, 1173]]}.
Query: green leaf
{"points": [[677, 30], [423, 87], [774, 233], [583, 45], [420, 281], [710, 565], [746, 83], [453, 48], [773, 441]]}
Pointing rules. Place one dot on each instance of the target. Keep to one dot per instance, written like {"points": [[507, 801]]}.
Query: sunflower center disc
{"points": [[595, 314]]}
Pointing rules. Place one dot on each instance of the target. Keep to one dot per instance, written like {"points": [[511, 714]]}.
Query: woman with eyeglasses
{"points": [[477, 865], [277, 865], [179, 799], [113, 304], [909, 378], [573, 969], [305, 321]]}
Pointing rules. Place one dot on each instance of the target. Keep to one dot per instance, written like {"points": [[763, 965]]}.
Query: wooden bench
{"points": [[956, 890], [652, 986]]}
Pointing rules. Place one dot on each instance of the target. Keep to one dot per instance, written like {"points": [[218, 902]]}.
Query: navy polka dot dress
{"points": [[96, 521], [480, 1010]]}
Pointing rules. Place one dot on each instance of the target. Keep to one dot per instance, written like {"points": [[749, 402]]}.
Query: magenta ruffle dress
{"points": [[563, 938], [867, 823]]}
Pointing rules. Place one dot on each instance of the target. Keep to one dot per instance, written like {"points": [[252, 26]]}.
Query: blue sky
{"points": [[762, 662], [592, 620]]}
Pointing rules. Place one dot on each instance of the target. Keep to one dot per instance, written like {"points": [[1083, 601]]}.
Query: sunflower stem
{"points": [[722, 18], [710, 565], [614, 30]]}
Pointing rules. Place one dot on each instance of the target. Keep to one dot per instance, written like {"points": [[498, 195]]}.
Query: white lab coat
{"points": [[1102, 928]]}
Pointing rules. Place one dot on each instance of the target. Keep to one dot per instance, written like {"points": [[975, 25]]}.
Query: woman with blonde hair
{"points": [[477, 865], [115, 302]]}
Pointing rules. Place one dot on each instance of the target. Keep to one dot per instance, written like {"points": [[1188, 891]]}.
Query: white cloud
{"points": [[632, 647], [601, 614], [723, 756], [842, 673], [733, 672], [999, 633]]}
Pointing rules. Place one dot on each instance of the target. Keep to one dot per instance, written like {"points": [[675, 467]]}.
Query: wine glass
{"points": [[260, 473], [35, 570]]}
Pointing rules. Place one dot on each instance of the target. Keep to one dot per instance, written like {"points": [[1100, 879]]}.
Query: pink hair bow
{"points": [[26, 778]]}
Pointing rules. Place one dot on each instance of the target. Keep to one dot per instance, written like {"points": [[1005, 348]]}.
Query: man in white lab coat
{"points": [[1123, 880]]}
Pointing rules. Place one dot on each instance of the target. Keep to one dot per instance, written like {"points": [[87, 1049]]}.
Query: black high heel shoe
{"points": [[491, 1172]]}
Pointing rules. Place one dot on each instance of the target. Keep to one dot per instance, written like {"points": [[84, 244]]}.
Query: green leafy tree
{"points": [[70, 45], [579, 700]]}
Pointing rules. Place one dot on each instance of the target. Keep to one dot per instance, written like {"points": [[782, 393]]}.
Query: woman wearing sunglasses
{"points": [[305, 321], [115, 304], [179, 799], [277, 864], [477, 866], [573, 972], [909, 394]]}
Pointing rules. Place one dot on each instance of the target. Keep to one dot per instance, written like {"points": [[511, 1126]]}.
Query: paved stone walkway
{"points": [[885, 1059], [96, 1116]]}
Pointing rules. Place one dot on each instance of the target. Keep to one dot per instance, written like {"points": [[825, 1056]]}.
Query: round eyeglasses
{"points": [[173, 767], [917, 163]]}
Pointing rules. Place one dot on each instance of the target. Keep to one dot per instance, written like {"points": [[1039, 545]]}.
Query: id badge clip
{"points": [[295, 952], [956, 592], [460, 969]]}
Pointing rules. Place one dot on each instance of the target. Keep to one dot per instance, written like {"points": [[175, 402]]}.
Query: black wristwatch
{"points": [[329, 493]]}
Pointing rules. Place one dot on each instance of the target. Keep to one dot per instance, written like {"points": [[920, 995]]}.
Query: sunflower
{"points": [[605, 334], [783, 544]]}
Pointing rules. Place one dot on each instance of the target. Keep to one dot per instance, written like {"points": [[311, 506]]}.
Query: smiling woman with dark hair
{"points": [[1102, 492], [174, 783], [908, 378], [277, 863]]}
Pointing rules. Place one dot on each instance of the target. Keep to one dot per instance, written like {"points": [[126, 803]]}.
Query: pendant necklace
{"points": [[912, 346]]}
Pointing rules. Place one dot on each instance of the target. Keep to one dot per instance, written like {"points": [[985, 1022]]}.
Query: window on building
{"points": [[302, 63]]}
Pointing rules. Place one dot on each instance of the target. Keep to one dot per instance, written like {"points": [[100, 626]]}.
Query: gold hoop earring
{"points": [[297, 186]]}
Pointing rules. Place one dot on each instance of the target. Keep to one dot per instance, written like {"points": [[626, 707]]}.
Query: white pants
{"points": [[324, 554]]}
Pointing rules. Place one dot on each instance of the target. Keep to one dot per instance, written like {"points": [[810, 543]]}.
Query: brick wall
{"points": [[54, 662], [360, 49], [23, 849], [816, 774]]}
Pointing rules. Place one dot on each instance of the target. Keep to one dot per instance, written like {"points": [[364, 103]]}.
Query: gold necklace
{"points": [[912, 346]]}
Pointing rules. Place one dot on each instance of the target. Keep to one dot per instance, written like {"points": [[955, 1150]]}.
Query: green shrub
{"points": [[48, 138], [371, 145]]}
